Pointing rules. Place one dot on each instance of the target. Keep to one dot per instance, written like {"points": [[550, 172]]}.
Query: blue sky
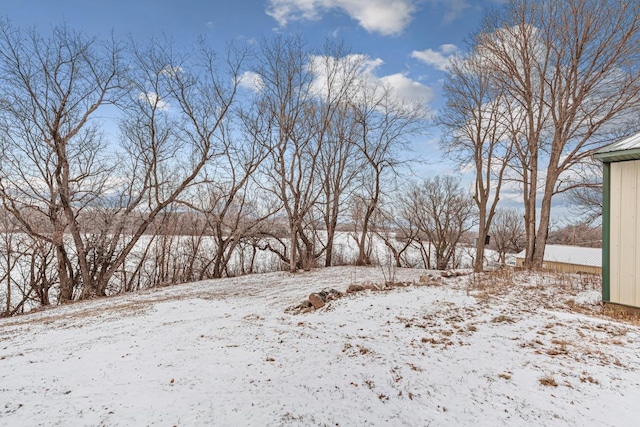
{"points": [[410, 40]]}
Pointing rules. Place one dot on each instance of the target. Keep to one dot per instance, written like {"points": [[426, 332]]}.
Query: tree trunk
{"points": [[328, 257], [66, 282], [543, 228], [530, 216], [363, 259], [478, 266], [332, 224], [293, 258], [8, 273]]}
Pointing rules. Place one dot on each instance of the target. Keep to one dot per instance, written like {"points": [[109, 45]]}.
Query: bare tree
{"points": [[63, 182], [585, 201], [443, 213], [475, 117], [51, 166], [397, 228], [282, 123], [577, 234], [9, 263], [570, 68], [296, 118], [384, 124], [26, 264], [179, 105], [340, 163], [231, 209], [508, 233]]}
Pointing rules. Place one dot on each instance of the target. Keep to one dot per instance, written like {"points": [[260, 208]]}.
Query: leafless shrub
{"points": [[507, 233], [491, 284], [442, 213]]}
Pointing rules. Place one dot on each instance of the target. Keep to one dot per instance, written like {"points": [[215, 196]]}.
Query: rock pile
{"points": [[320, 299], [316, 300], [431, 279], [366, 286], [454, 273]]}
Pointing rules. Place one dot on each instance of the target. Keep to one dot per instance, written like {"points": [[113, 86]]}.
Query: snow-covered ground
{"points": [[489, 351]]}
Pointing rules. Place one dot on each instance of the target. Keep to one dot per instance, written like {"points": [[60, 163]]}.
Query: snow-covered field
{"points": [[491, 350]]}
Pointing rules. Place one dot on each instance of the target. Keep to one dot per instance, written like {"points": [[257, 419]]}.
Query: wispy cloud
{"points": [[386, 17], [154, 100], [440, 59], [453, 8]]}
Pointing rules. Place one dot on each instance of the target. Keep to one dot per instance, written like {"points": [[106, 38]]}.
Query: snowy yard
{"points": [[494, 350]]}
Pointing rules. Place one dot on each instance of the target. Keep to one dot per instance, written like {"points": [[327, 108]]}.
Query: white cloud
{"points": [[403, 87], [370, 65], [361, 71], [407, 89], [440, 59], [250, 80], [343, 70], [154, 100], [386, 17], [448, 48]]}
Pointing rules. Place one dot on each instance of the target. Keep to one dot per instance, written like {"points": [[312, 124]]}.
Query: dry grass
{"points": [[586, 378], [363, 350], [547, 290], [50, 315], [414, 367], [613, 313], [114, 306], [548, 381], [491, 284], [502, 319], [560, 348]]}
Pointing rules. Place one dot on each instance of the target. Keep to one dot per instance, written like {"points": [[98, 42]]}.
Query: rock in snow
{"points": [[316, 300]]}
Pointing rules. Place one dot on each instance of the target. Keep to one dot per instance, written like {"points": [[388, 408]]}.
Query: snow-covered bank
{"points": [[481, 352]]}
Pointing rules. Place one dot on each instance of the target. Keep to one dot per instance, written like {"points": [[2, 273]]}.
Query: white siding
{"points": [[625, 233]]}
